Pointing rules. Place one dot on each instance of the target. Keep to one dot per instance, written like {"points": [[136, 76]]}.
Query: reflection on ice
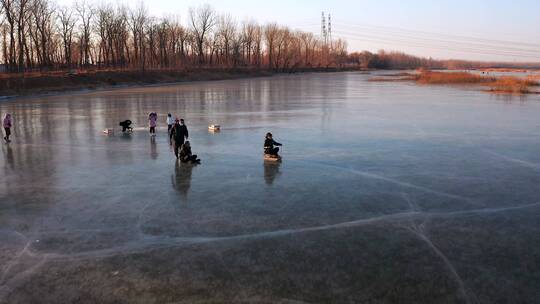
{"points": [[181, 181], [153, 148], [271, 171]]}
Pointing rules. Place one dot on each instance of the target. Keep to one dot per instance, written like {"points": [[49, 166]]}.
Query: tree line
{"points": [[39, 35], [402, 61]]}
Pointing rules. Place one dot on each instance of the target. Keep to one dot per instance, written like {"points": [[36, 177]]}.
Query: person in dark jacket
{"points": [[186, 155], [179, 134], [126, 126], [269, 144]]}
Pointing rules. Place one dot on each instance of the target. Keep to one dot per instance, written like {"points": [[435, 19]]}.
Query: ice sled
{"points": [[108, 131], [271, 157], [214, 128]]}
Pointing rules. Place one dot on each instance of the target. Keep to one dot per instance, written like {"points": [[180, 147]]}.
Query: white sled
{"points": [[108, 131], [214, 128]]}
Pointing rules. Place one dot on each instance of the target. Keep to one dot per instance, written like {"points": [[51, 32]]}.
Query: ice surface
{"points": [[388, 192]]}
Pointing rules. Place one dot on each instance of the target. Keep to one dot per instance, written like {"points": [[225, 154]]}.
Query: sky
{"points": [[485, 30]]}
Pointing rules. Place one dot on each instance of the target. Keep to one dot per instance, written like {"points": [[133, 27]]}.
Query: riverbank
{"points": [[14, 85]]}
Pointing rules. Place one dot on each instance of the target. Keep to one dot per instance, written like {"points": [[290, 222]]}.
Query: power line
{"points": [[467, 38], [436, 41], [365, 38]]}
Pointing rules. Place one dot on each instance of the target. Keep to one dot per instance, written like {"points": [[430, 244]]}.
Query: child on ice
{"points": [[152, 118], [7, 127]]}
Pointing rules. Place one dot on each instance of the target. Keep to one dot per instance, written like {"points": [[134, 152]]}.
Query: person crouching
{"points": [[269, 144], [126, 126]]}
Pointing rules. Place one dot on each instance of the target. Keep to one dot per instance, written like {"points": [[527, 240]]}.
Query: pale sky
{"points": [[475, 30]]}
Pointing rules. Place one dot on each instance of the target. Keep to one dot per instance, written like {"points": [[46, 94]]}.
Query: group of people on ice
{"points": [[178, 136], [177, 132]]}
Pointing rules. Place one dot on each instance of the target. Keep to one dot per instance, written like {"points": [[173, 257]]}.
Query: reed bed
{"points": [[512, 85], [504, 84], [430, 77]]}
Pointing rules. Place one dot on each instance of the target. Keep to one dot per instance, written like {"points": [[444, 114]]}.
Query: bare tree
{"points": [[138, 20], [248, 39], [21, 9], [178, 40], [257, 49], [120, 36], [225, 34], [42, 14], [35, 33], [67, 25], [3, 32], [9, 11], [271, 32], [203, 19], [86, 13]]}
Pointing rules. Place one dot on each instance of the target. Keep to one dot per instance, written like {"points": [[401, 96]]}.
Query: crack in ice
{"points": [[162, 242], [419, 230], [398, 182], [420, 233], [513, 160], [156, 242]]}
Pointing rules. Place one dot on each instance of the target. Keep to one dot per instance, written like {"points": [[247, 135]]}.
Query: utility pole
{"points": [[324, 33], [326, 37], [330, 30], [326, 30]]}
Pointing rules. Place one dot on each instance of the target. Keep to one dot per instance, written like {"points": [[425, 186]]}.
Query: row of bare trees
{"points": [[401, 61], [40, 35]]}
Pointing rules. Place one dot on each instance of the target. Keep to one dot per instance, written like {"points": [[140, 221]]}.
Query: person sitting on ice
{"points": [[126, 126], [186, 156], [269, 144]]}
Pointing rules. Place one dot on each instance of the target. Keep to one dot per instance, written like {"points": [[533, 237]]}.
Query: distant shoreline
{"points": [[495, 84], [37, 84]]}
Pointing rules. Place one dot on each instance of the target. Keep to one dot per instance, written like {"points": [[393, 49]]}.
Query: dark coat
{"points": [[269, 145], [179, 133]]}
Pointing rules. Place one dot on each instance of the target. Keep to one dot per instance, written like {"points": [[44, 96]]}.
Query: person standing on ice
{"points": [[7, 123], [170, 124], [179, 134], [152, 118]]}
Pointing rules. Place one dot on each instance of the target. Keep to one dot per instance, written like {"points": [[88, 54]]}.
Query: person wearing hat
{"points": [[269, 144], [179, 134]]}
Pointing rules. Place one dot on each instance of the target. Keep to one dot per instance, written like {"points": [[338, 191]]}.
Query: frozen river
{"points": [[387, 193]]}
